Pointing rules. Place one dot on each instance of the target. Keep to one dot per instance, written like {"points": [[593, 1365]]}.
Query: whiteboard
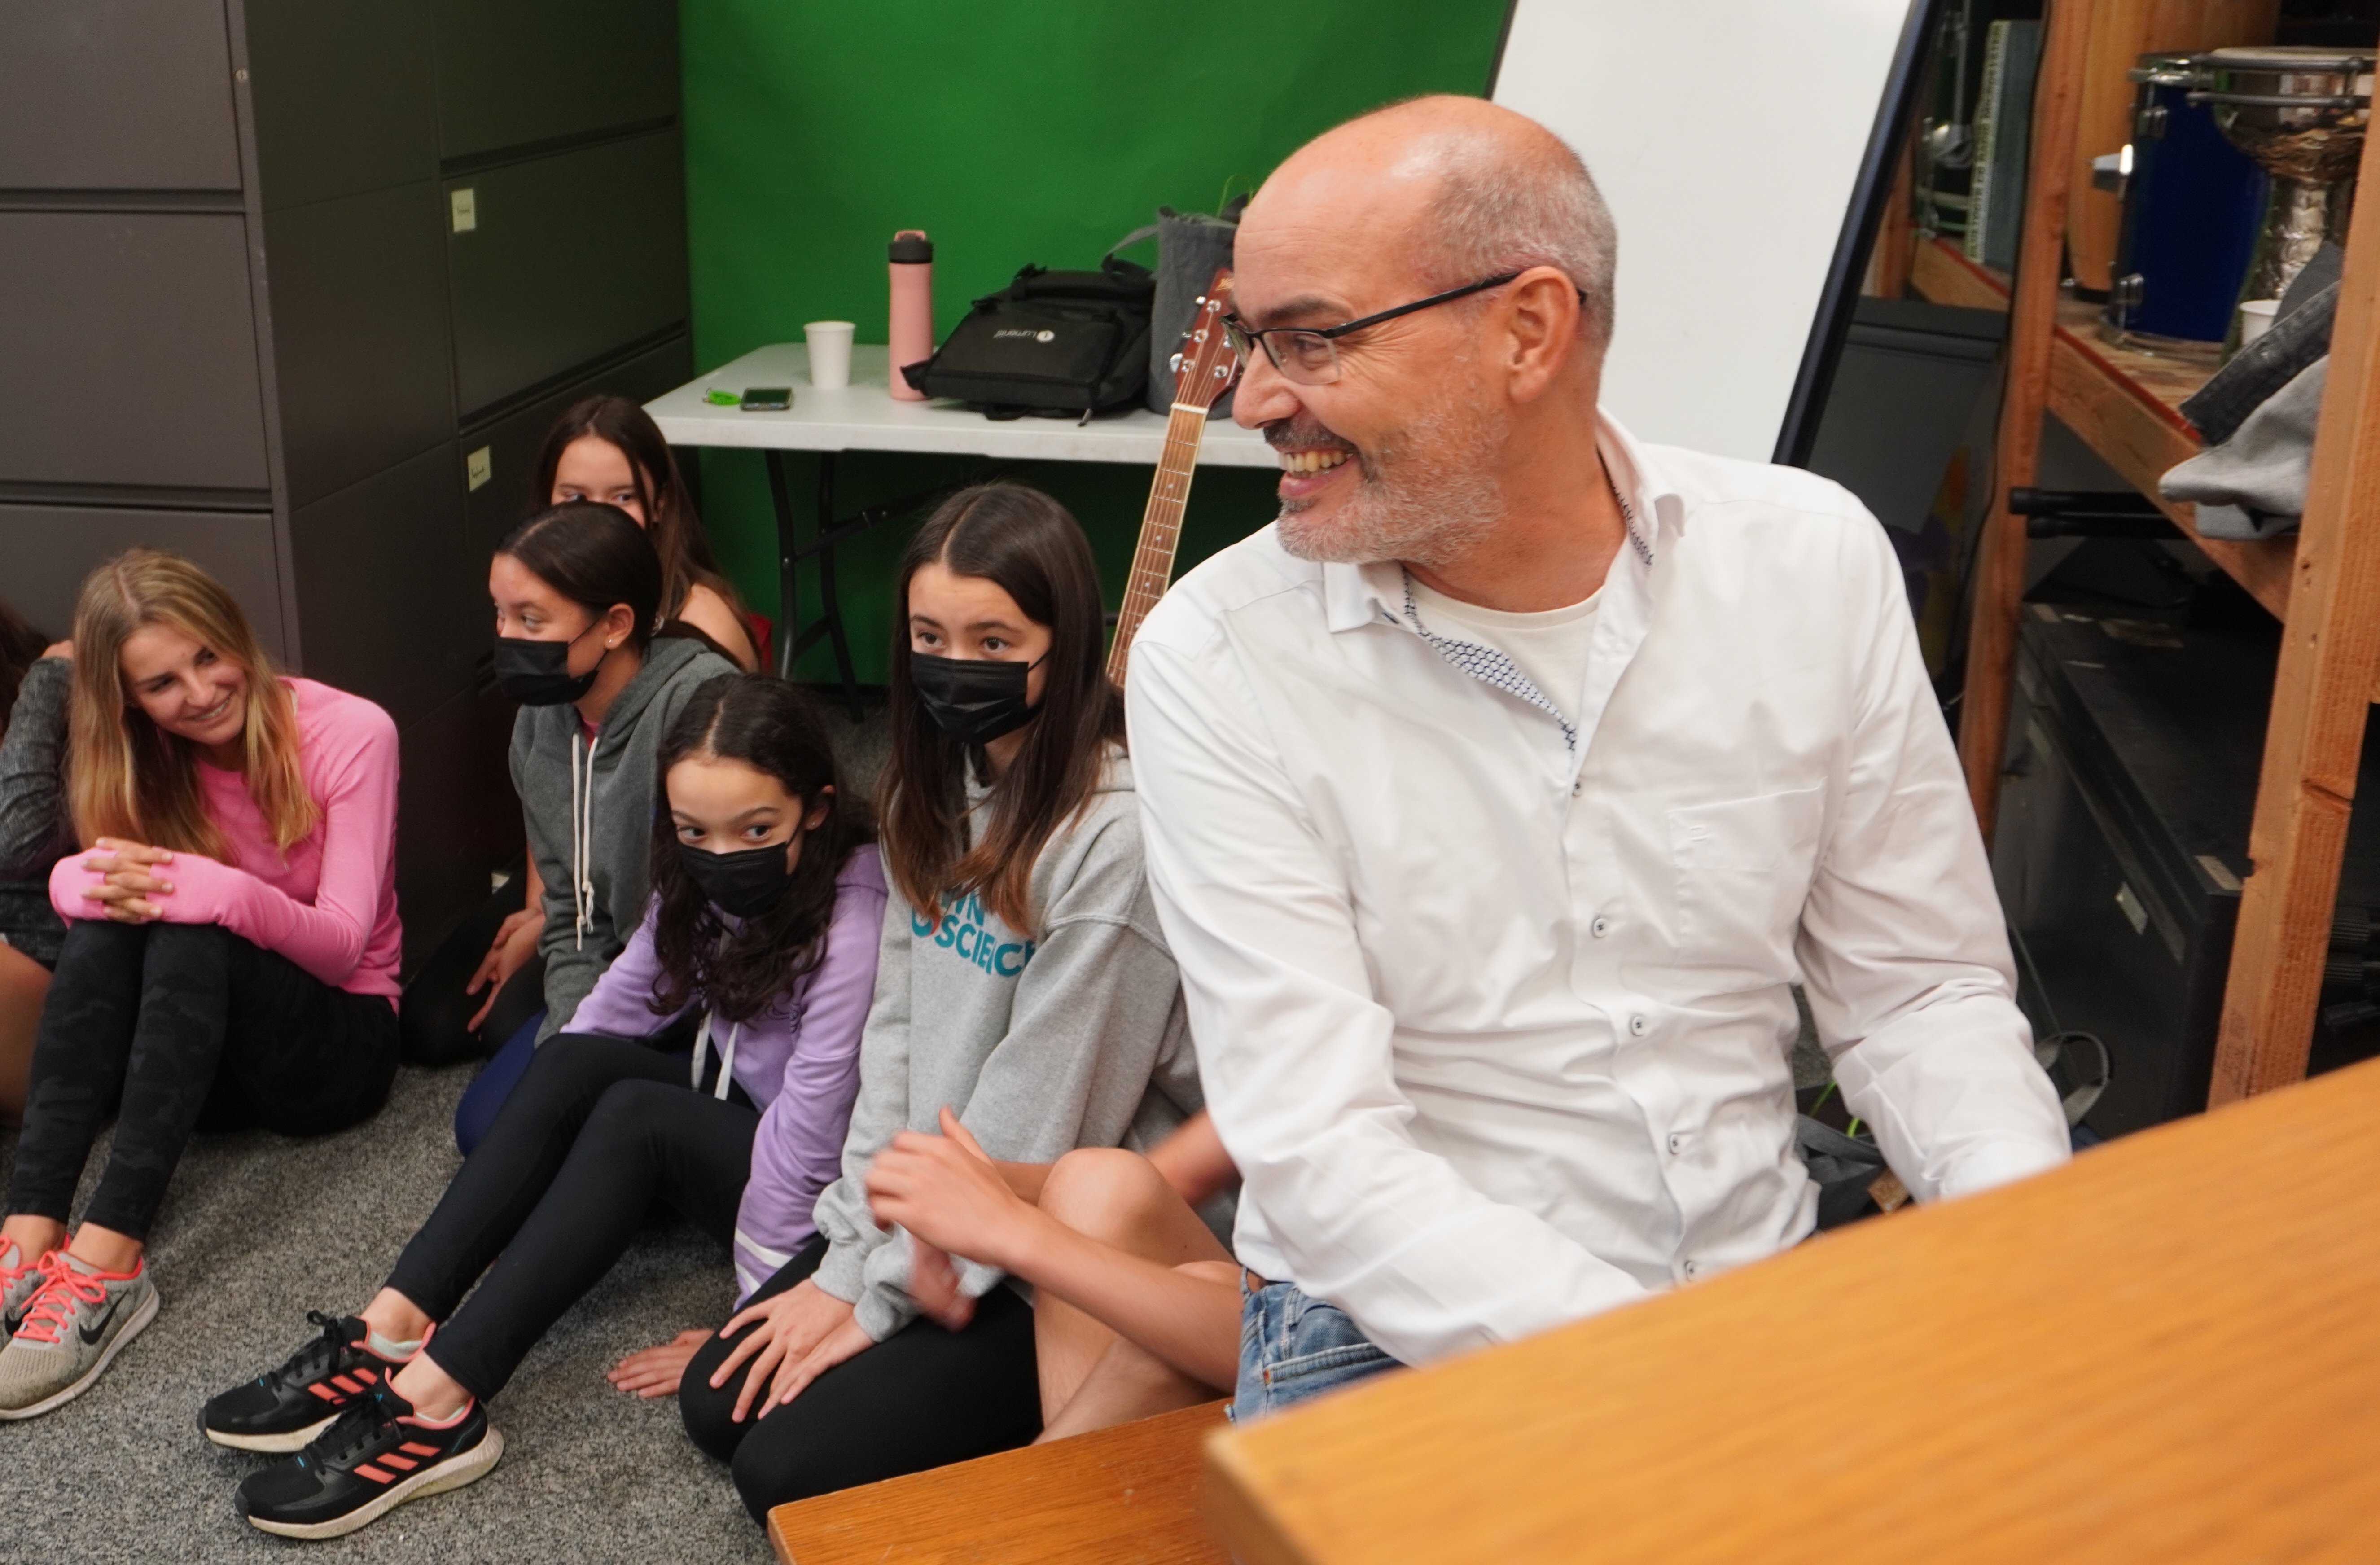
{"points": [[1729, 137]]}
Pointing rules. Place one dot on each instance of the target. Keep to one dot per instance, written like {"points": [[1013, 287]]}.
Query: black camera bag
{"points": [[1058, 344]]}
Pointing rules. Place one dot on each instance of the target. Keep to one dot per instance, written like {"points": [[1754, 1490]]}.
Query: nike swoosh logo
{"points": [[98, 1329]]}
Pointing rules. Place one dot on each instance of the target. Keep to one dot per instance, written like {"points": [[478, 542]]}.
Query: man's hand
{"points": [[779, 1333], [515, 943], [948, 1195], [127, 875], [655, 1371]]}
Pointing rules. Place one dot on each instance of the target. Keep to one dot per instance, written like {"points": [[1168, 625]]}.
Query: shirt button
{"points": [[1600, 928], [1677, 1142], [1637, 1024], [1692, 1269]]}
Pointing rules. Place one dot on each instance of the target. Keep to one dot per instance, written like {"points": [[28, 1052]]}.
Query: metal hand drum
{"points": [[2300, 113], [2192, 206]]}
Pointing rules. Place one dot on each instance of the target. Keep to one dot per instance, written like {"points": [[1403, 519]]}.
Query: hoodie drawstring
{"points": [[582, 830], [726, 1056]]}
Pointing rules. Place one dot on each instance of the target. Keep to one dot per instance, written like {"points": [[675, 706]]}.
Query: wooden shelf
{"points": [[2124, 405]]}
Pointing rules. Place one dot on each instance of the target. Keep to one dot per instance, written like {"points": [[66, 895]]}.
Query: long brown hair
{"points": [[1031, 548], [686, 559], [127, 777], [776, 729]]}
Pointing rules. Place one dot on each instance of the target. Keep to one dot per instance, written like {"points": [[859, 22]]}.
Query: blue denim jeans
{"points": [[1293, 1347]]}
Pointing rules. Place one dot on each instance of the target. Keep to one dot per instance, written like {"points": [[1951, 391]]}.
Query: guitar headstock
{"points": [[1207, 363]]}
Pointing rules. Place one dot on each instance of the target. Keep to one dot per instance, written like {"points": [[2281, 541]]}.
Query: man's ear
{"points": [[1541, 320]]}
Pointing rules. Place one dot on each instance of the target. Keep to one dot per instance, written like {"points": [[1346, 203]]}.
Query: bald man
{"points": [[1498, 793]]}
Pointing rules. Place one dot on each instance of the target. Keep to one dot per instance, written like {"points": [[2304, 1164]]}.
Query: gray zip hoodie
{"points": [[1074, 1036], [589, 808]]}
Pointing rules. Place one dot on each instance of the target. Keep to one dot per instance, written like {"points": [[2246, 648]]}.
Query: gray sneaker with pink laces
{"points": [[21, 1279], [78, 1320]]}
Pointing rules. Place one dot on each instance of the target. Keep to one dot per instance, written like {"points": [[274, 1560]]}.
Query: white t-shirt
{"points": [[1550, 645]]}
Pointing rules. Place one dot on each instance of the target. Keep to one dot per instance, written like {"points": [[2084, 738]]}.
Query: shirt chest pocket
{"points": [[1743, 872]]}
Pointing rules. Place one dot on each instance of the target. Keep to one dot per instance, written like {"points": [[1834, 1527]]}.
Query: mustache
{"points": [[1305, 434]]}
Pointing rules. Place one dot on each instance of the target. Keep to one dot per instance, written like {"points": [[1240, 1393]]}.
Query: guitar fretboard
{"points": [[1160, 530]]}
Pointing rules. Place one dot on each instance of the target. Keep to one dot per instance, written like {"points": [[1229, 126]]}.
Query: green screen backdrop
{"points": [[1012, 134]]}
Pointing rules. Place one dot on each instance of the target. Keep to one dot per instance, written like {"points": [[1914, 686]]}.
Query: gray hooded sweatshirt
{"points": [[1072, 1036], [590, 807]]}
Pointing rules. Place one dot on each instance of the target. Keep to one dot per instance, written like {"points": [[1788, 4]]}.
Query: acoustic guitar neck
{"points": [[1203, 370]]}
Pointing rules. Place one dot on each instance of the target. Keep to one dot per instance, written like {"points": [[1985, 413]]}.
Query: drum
{"points": [[2193, 202], [2300, 113]]}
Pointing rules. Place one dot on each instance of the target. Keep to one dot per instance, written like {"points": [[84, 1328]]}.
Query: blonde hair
{"points": [[127, 777]]}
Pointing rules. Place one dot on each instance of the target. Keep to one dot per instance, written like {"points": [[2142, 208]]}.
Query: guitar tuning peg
{"points": [[1174, 365]]}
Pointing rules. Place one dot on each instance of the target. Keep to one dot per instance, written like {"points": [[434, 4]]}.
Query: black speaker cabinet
{"points": [[2131, 766]]}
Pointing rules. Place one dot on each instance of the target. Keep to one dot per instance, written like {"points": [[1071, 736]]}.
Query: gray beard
{"points": [[1426, 497]]}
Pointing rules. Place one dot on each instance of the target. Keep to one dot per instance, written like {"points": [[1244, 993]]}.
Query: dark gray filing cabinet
{"points": [[241, 324]]}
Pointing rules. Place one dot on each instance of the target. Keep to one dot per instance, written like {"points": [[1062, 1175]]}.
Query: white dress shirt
{"points": [[1492, 1004]]}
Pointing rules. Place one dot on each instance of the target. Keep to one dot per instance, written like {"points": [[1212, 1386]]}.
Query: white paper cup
{"points": [[2256, 319], [830, 353]]}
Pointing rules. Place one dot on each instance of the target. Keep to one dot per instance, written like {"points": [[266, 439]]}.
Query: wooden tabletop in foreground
{"points": [[2168, 1351]]}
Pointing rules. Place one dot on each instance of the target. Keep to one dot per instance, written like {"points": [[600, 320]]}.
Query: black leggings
{"points": [[183, 1024], [595, 1132], [922, 1397]]}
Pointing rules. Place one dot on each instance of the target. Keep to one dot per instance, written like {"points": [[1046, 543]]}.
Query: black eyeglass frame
{"points": [[1246, 334]]}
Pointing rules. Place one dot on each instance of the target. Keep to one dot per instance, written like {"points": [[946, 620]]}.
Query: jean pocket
{"points": [[1326, 1366]]}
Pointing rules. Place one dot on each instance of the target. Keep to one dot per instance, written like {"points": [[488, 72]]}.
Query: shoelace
{"points": [[354, 1429], [310, 1361], [54, 1304]]}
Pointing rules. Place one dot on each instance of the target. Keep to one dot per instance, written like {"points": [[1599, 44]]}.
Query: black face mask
{"points": [[974, 700], [747, 883], [537, 674]]}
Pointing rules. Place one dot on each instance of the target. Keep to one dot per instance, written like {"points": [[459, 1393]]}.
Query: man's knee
{"points": [[1104, 1191]]}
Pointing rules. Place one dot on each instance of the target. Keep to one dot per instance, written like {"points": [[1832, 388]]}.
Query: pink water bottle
{"points": [[912, 334]]}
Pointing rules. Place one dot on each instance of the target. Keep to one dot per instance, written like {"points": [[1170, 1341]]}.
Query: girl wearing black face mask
{"points": [[764, 923], [576, 590], [1022, 983]]}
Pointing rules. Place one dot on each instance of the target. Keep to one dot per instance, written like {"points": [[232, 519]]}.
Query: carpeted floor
{"points": [[257, 1230]]}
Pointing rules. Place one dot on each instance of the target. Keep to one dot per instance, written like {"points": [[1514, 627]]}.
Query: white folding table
{"points": [[863, 417]]}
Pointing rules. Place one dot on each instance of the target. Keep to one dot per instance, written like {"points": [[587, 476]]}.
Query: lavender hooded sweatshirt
{"points": [[798, 1060]]}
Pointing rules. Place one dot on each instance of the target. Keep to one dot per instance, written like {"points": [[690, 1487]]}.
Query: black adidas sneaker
{"points": [[373, 1457], [280, 1411]]}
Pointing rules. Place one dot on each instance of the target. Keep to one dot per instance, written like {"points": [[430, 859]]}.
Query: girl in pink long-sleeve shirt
{"points": [[231, 945]]}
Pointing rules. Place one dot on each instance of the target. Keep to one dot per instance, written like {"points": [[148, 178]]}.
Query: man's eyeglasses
{"points": [[1309, 355]]}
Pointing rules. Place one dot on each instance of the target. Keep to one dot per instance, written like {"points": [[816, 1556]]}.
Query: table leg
{"points": [[788, 565], [830, 602]]}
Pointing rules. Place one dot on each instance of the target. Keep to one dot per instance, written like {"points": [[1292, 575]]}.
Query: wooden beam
{"points": [[1129, 1493], [1999, 561], [1896, 237], [2313, 745]]}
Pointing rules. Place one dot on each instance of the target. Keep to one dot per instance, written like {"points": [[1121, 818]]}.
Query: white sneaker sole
{"points": [[469, 1467], [271, 1445], [131, 1329]]}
